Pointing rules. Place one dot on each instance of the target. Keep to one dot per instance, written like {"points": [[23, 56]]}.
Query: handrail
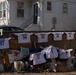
{"points": [[27, 23]]}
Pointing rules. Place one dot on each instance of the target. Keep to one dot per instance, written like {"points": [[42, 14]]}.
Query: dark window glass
{"points": [[20, 9], [49, 6], [65, 7], [4, 9], [0, 10], [20, 13]]}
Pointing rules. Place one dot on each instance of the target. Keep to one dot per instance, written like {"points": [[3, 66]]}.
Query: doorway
{"points": [[35, 13]]}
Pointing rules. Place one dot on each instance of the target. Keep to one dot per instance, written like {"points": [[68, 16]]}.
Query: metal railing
{"points": [[27, 23]]}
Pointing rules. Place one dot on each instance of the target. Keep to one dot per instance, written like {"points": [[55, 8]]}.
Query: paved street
{"points": [[60, 73]]}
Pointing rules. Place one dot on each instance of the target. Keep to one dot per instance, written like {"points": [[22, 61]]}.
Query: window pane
{"points": [[7, 29], [36, 9], [0, 6], [2, 9], [65, 8], [20, 9], [49, 3], [16, 29], [20, 13], [65, 11], [4, 4], [4, 13], [0, 14], [49, 6], [20, 5]]}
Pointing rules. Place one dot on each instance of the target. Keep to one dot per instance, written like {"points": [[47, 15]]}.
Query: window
{"points": [[20, 9], [65, 7], [36, 9], [48, 6], [2, 10]]}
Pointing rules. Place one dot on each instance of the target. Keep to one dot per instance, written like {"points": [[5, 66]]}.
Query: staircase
{"points": [[29, 26], [33, 27], [27, 23]]}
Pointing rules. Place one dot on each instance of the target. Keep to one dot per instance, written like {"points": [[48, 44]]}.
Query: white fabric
{"points": [[42, 37], [4, 43], [66, 54], [62, 51], [70, 35], [51, 52], [57, 35], [38, 58], [23, 37], [11, 58], [70, 50]]}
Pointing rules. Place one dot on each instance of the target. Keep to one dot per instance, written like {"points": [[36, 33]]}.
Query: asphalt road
{"points": [[45, 73]]}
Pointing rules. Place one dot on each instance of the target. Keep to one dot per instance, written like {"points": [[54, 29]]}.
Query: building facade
{"points": [[39, 15]]}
